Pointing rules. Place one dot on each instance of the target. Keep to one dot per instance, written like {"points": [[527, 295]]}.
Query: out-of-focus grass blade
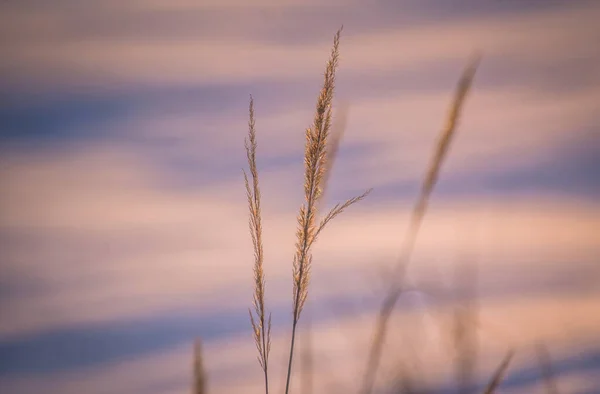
{"points": [[199, 375], [418, 213], [499, 374]]}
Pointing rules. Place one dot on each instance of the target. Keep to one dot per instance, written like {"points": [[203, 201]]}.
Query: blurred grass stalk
{"points": [[465, 323], [199, 375], [499, 374], [545, 363], [418, 213]]}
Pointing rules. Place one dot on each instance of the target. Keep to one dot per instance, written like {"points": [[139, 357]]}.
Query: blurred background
{"points": [[123, 217]]}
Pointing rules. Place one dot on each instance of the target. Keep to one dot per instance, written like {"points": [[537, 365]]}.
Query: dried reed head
{"points": [[261, 325], [319, 154]]}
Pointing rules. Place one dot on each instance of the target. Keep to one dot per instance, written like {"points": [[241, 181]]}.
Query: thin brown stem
{"points": [[307, 358], [499, 374], [465, 321], [315, 158]]}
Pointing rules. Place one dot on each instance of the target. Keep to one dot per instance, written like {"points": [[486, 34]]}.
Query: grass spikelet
{"points": [[307, 364], [417, 215], [336, 135], [316, 167], [261, 325]]}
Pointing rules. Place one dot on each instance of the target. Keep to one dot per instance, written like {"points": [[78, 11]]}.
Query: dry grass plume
{"points": [[316, 167], [261, 325]]}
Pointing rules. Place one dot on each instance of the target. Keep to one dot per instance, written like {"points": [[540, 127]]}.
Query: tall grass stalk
{"points": [[315, 172], [417, 216], [337, 133], [260, 324]]}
